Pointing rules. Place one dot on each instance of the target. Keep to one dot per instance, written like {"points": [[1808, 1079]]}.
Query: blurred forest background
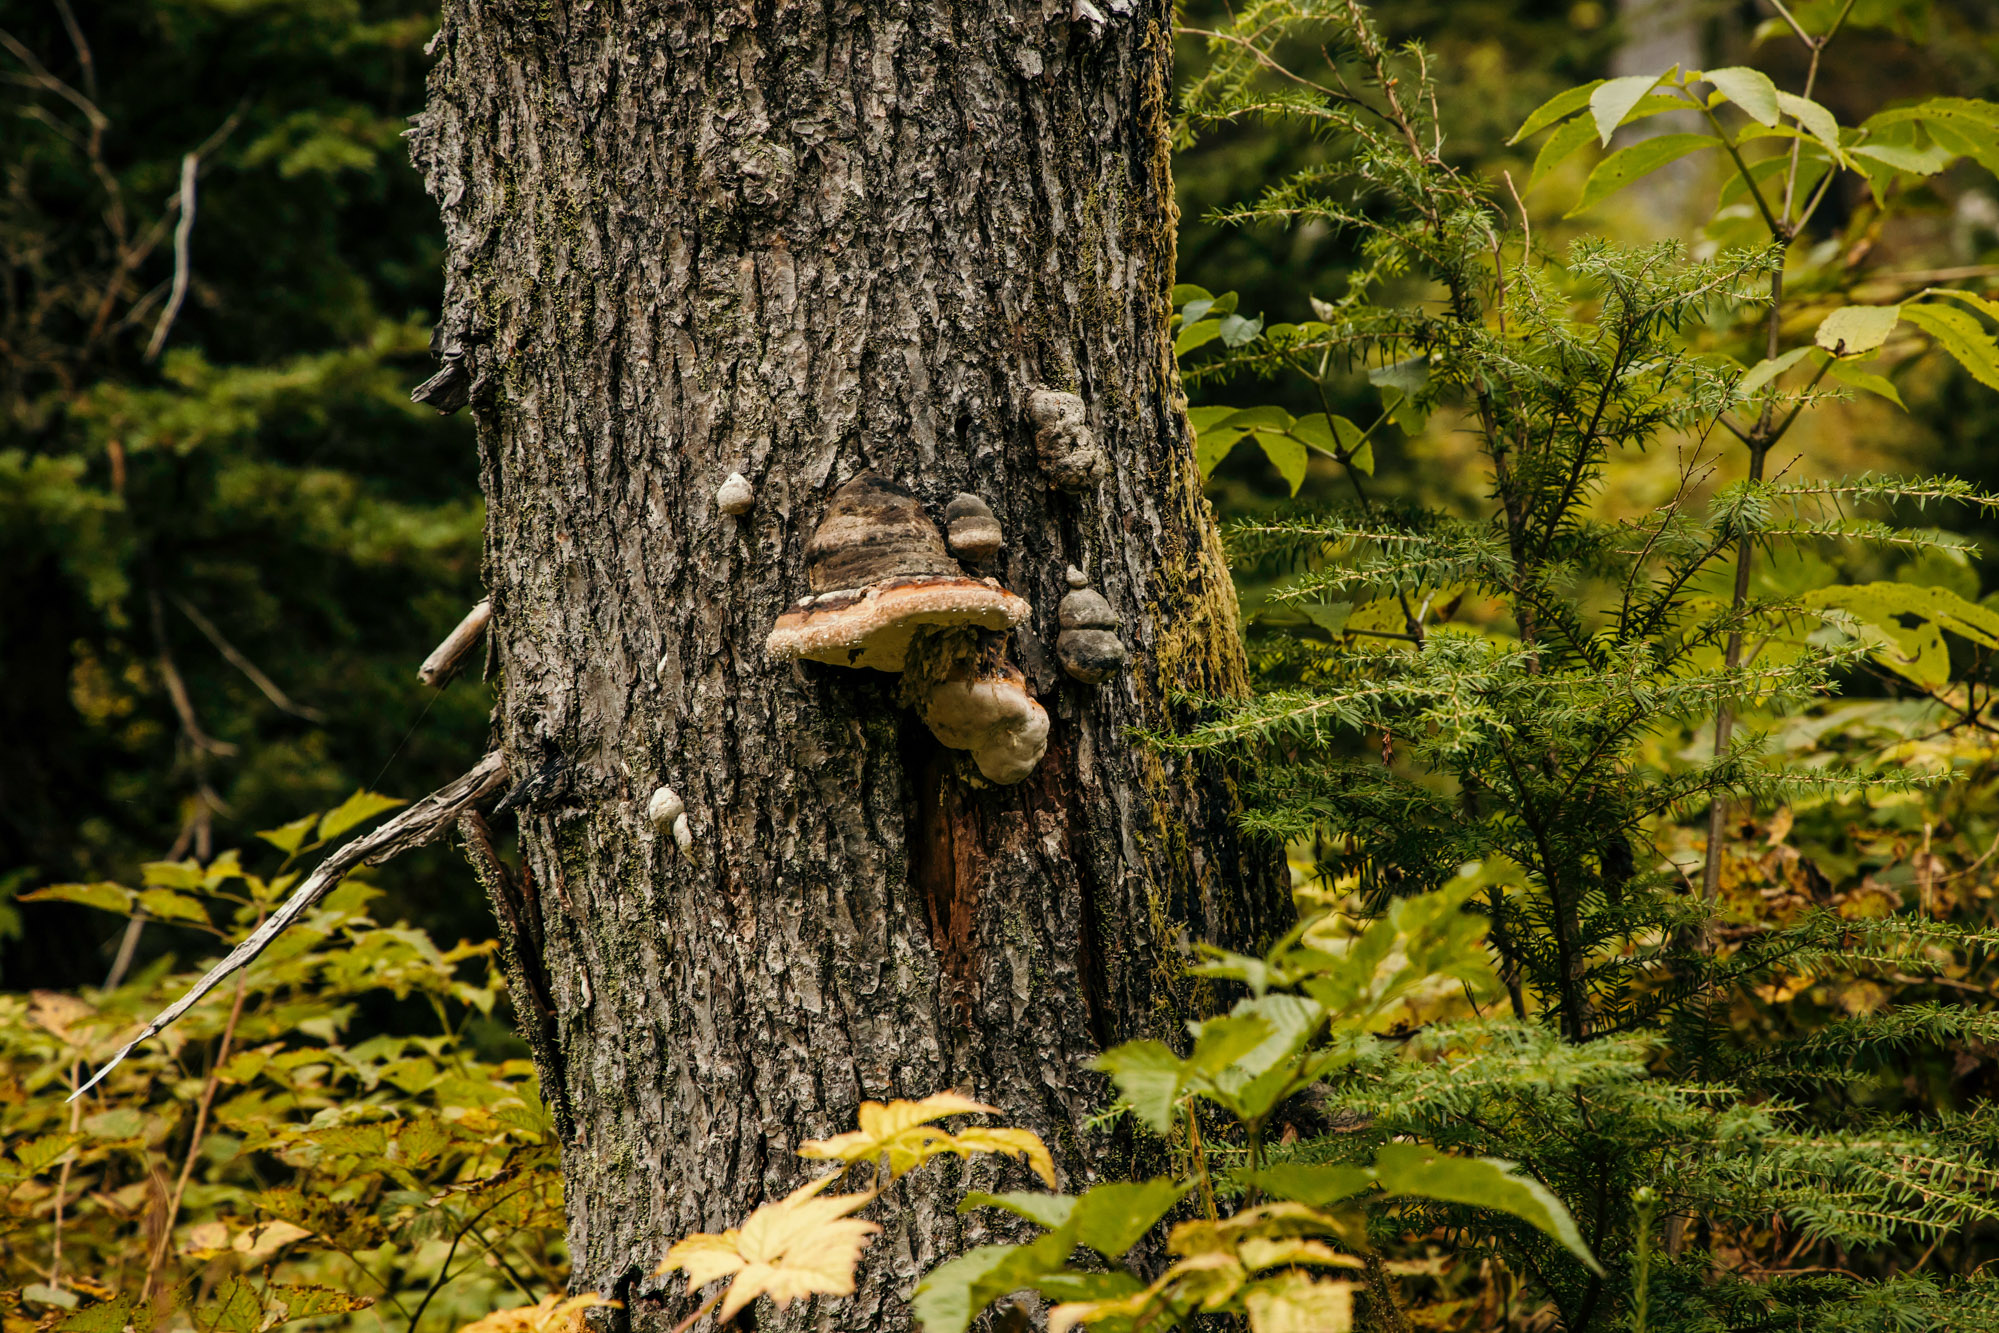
{"points": [[228, 536]]}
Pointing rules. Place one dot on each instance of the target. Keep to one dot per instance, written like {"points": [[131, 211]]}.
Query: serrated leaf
{"points": [[1983, 305], [952, 1294], [39, 1154], [1916, 161], [1639, 160], [1816, 119], [356, 809], [1612, 99], [1850, 374], [166, 905], [1563, 144], [1047, 1211], [1565, 103], [172, 874], [1149, 1077], [1853, 330], [1426, 1172], [103, 1317], [235, 1309], [1749, 89], [103, 895], [287, 838], [1959, 334], [800, 1246], [307, 1301]]}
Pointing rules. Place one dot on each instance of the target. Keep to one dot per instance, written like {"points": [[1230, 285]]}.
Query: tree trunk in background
{"points": [[798, 242]]}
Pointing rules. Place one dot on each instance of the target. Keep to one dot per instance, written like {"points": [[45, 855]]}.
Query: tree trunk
{"points": [[798, 243]]}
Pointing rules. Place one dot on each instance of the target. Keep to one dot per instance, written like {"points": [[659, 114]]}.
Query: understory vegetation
{"points": [[1632, 754]]}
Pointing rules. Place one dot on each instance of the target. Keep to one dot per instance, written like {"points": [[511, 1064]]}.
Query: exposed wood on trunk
{"points": [[798, 243]]}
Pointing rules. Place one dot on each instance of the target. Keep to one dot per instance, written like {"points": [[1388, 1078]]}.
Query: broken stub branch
{"points": [[447, 657], [414, 827]]}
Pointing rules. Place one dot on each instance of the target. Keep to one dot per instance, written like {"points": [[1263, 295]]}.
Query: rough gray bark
{"points": [[797, 242]]}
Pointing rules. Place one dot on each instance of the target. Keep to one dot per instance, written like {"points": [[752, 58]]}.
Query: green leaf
{"points": [[1236, 330], [235, 1309], [1362, 459], [1047, 1211], [1850, 374], [1196, 335], [39, 1154], [1769, 369], [1915, 650], [951, 1295], [1749, 89], [172, 874], [1486, 1182], [287, 837], [1641, 159], [1853, 330], [1959, 333], [123, 1123], [1555, 108], [1314, 1184], [1211, 447], [166, 905], [1184, 292], [1612, 99], [1259, 418], [1149, 1077], [1204, 418], [1287, 455], [1560, 147], [356, 809], [1110, 1219], [1979, 303], [104, 896], [104, 1317], [1916, 161], [1815, 119]]}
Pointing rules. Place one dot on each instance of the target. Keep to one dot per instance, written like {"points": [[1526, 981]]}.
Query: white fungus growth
{"points": [[735, 495], [683, 833], [664, 807]]}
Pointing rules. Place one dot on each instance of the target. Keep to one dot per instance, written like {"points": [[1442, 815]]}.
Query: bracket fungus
{"points": [[878, 571], [1088, 646], [1068, 451], [735, 495], [885, 593], [970, 529], [972, 698]]}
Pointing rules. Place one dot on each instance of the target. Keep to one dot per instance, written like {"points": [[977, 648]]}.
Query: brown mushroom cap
{"points": [[878, 571], [871, 627]]}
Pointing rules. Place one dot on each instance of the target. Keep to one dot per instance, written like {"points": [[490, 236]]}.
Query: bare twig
{"points": [[235, 658], [159, 1256], [420, 824], [190, 167], [447, 657], [177, 688]]}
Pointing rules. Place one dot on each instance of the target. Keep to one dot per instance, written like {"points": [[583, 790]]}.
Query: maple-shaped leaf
{"points": [[802, 1245], [1024, 1144], [899, 1131], [551, 1314]]}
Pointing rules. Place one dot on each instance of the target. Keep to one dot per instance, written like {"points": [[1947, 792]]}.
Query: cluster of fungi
{"points": [[886, 591]]}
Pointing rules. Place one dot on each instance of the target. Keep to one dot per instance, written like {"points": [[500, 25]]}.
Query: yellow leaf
{"points": [[898, 1131], [1294, 1303], [1021, 1143], [266, 1239], [1258, 1253], [206, 1238], [551, 1314], [801, 1245], [59, 1014]]}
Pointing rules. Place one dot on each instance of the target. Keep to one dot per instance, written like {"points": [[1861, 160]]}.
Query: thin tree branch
{"points": [[235, 658], [420, 824], [445, 659], [190, 167]]}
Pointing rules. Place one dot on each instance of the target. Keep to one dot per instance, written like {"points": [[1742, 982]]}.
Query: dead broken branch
{"points": [[447, 657], [420, 824]]}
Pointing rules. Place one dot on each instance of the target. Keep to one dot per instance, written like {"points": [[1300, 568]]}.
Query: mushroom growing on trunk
{"points": [[885, 593]]}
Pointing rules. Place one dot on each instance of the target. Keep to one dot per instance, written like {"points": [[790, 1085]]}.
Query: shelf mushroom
{"points": [[1088, 646], [883, 586]]}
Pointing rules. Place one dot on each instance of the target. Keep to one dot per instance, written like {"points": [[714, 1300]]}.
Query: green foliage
{"points": [[1518, 698], [229, 534], [259, 1164]]}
